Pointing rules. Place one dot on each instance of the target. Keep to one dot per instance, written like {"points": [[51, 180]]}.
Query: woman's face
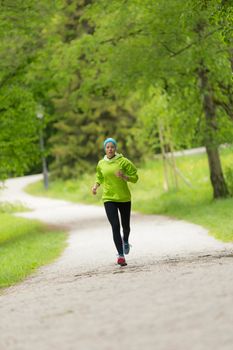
{"points": [[110, 149]]}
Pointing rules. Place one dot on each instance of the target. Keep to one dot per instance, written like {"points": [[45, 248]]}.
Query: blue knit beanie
{"points": [[110, 140]]}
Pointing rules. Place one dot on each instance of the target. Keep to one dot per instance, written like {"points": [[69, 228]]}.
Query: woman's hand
{"points": [[121, 175], [94, 189]]}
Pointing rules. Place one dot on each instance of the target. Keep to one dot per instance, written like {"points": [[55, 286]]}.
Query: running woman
{"points": [[113, 172]]}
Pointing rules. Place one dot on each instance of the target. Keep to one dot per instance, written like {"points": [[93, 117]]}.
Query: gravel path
{"points": [[176, 292]]}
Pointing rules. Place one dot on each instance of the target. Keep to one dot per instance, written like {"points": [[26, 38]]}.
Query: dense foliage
{"points": [[132, 70], [21, 27]]}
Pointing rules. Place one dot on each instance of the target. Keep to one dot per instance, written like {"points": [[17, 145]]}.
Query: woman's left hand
{"points": [[121, 175]]}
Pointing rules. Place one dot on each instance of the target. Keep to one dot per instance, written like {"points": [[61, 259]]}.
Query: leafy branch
{"points": [[176, 53]]}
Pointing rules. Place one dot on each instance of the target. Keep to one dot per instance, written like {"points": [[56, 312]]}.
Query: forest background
{"points": [[156, 75]]}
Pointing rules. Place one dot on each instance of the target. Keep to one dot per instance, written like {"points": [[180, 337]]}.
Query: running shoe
{"points": [[121, 260], [126, 247]]}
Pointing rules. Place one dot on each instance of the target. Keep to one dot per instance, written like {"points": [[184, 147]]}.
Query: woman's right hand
{"points": [[94, 189]]}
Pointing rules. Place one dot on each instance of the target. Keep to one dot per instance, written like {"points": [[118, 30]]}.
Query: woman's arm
{"points": [[99, 179], [129, 171]]}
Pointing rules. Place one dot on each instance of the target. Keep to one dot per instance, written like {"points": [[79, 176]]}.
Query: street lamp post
{"points": [[40, 116]]}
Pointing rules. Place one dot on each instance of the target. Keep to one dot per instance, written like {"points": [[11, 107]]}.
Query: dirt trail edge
{"points": [[176, 292]]}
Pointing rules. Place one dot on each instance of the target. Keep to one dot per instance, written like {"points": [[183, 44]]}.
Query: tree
{"points": [[21, 25], [172, 45]]}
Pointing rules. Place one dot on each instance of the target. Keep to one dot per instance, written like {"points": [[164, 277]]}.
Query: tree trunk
{"points": [[161, 139], [216, 175], [173, 160]]}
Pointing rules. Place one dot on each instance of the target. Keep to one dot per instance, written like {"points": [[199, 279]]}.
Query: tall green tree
{"points": [[174, 45], [21, 27]]}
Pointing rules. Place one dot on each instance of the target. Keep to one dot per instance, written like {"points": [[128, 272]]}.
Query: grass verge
{"points": [[26, 245], [194, 204]]}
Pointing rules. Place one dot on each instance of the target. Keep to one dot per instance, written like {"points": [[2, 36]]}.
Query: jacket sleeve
{"points": [[99, 176], [130, 170]]}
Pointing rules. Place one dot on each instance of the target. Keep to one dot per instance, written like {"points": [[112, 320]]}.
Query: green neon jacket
{"points": [[115, 189]]}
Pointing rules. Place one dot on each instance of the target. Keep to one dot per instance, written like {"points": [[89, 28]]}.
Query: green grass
{"points": [[193, 204], [26, 245], [7, 207]]}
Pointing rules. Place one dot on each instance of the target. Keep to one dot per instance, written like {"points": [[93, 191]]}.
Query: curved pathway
{"points": [[175, 293]]}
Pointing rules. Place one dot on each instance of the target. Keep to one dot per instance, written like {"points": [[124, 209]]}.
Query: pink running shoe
{"points": [[121, 260]]}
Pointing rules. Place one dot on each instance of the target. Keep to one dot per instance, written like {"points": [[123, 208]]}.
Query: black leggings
{"points": [[111, 209]]}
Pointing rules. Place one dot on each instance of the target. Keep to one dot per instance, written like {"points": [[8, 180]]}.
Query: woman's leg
{"points": [[125, 209], [112, 215]]}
